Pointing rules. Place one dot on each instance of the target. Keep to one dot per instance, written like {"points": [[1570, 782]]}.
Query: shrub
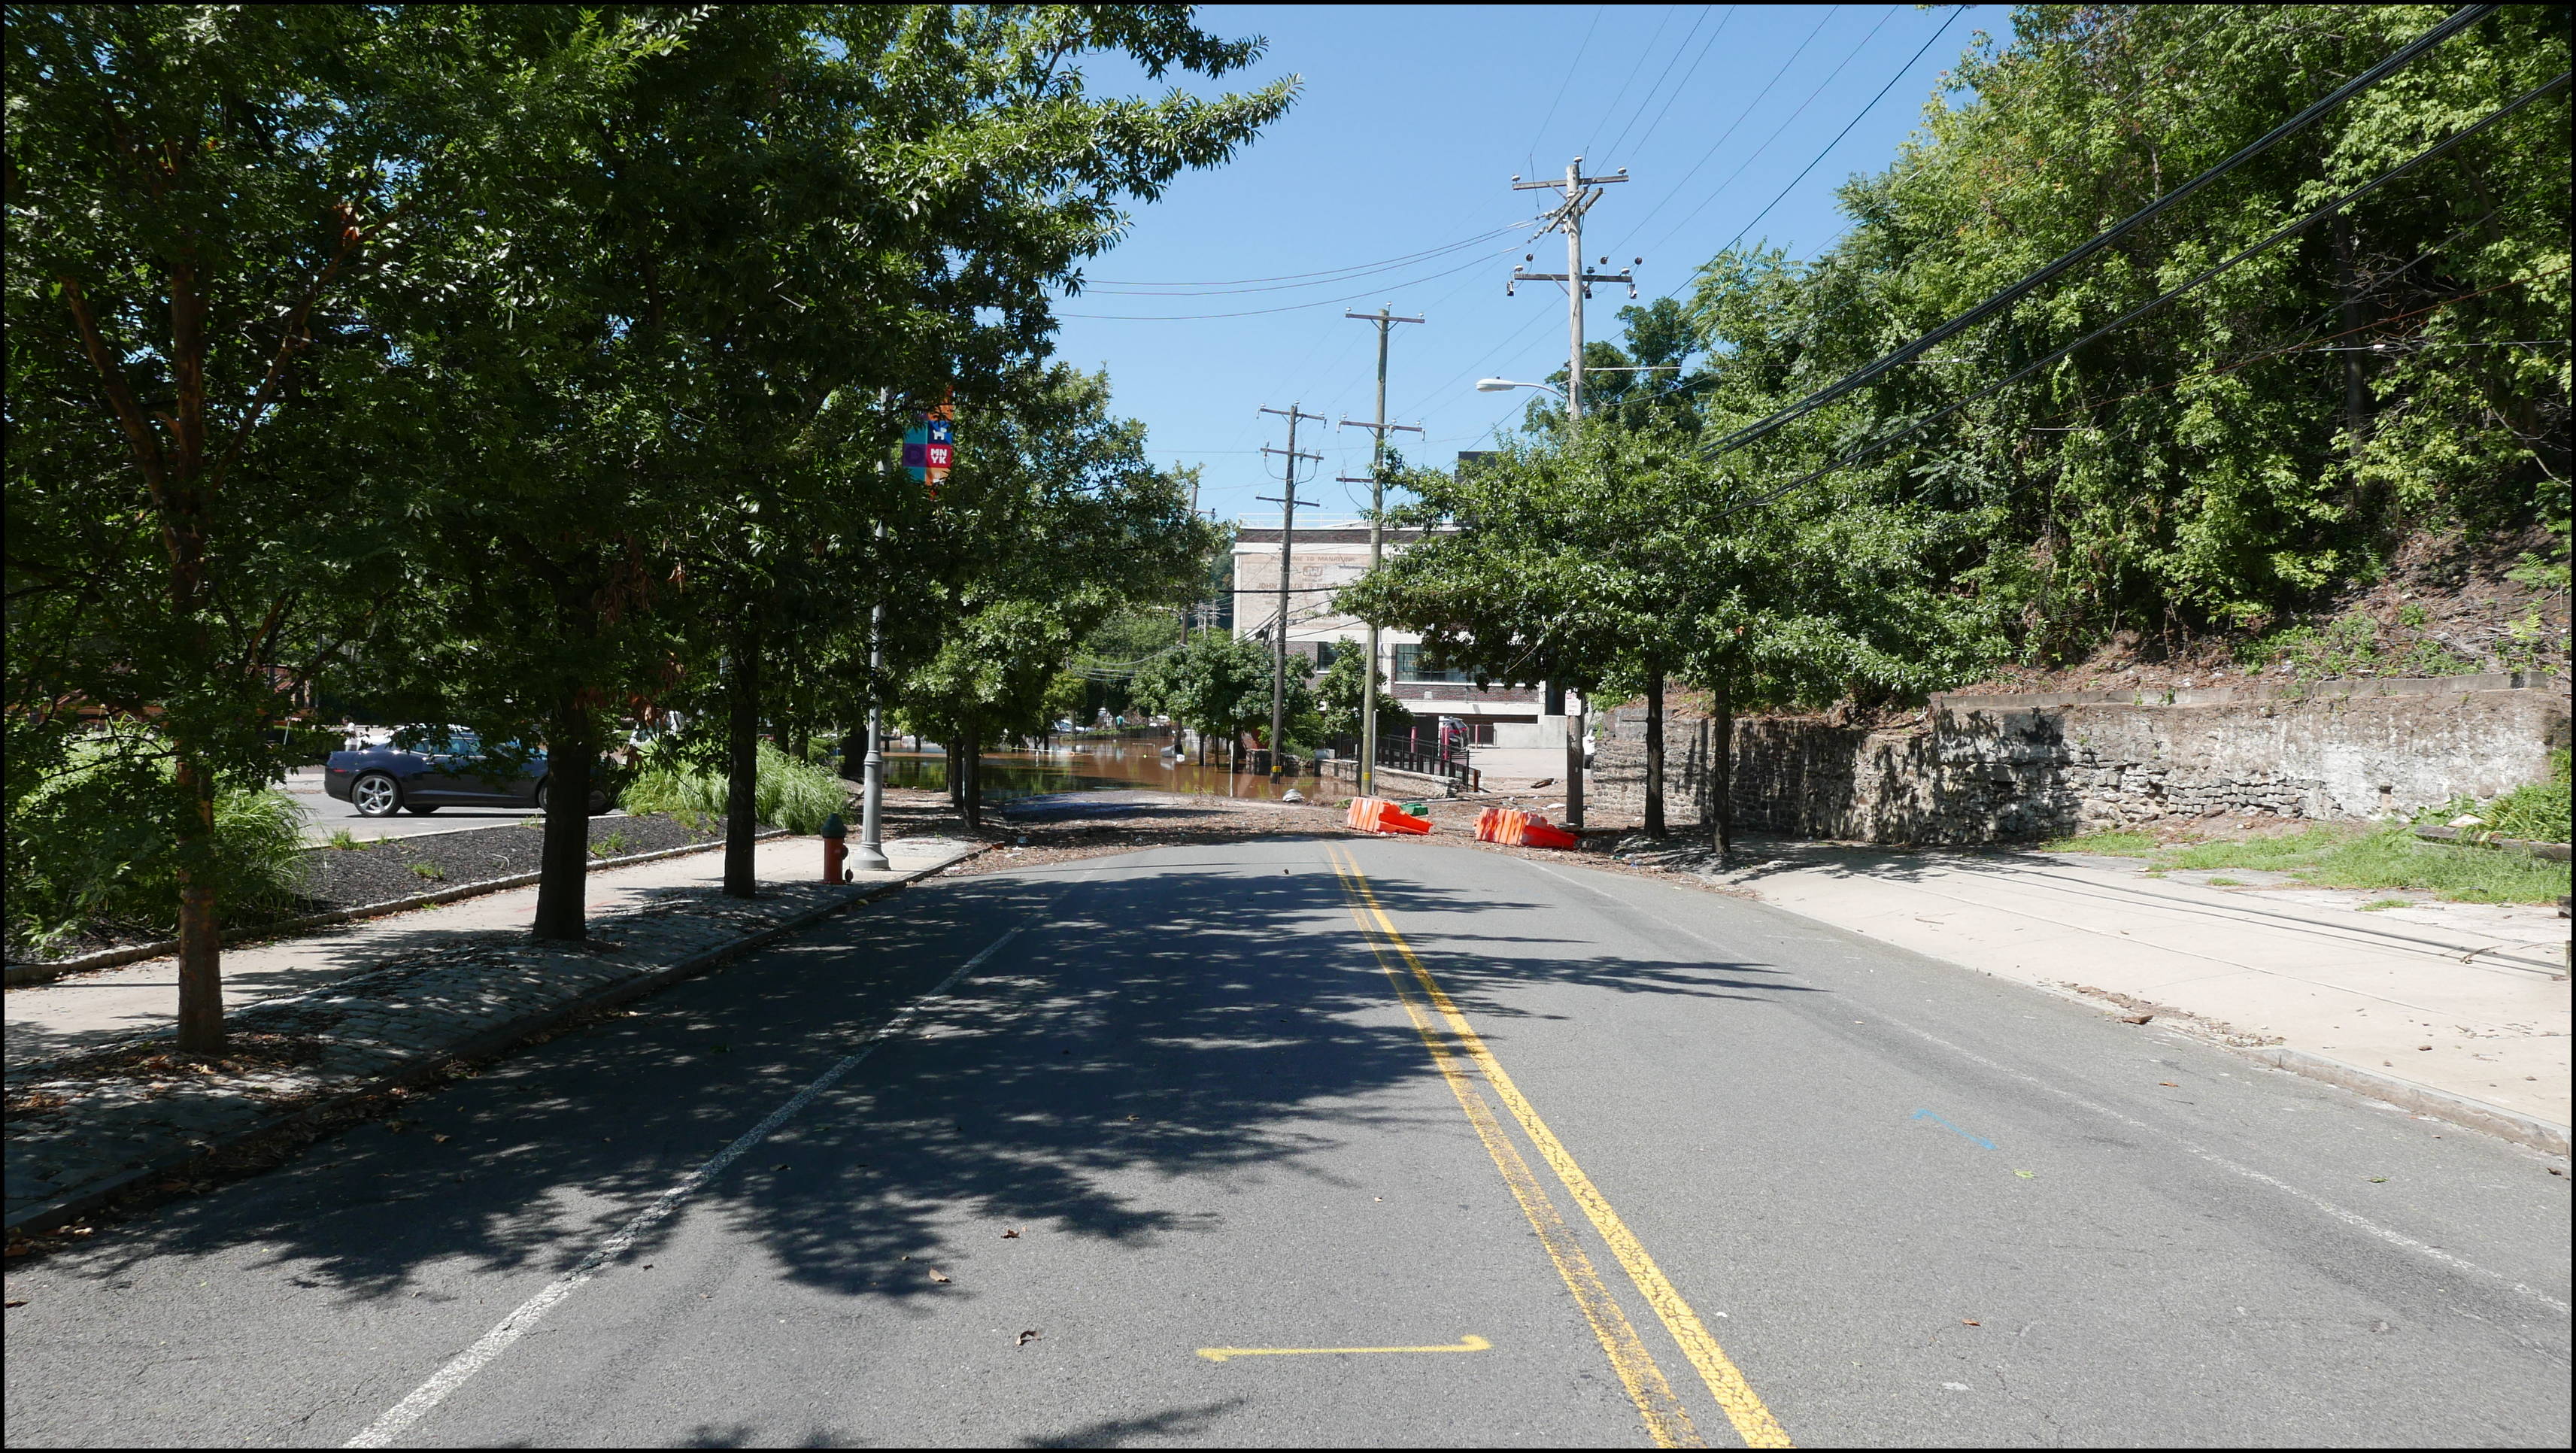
{"points": [[91, 846], [788, 793]]}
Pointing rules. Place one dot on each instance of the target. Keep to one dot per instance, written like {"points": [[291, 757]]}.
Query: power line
{"points": [[1729, 132], [1477, 261], [1864, 451], [1325, 278], [1680, 86], [1955, 13], [2033, 281], [1670, 61], [1619, 93], [1576, 65], [1776, 132]]}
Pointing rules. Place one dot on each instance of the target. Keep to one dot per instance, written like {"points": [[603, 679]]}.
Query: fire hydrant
{"points": [[836, 846]]}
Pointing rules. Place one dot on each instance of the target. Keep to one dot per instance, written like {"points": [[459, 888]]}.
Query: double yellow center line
{"points": [[1456, 1048]]}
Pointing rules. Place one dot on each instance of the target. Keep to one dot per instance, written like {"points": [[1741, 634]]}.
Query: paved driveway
{"points": [[325, 814]]}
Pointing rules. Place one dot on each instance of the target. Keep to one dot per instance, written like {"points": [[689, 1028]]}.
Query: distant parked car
{"points": [[444, 769]]}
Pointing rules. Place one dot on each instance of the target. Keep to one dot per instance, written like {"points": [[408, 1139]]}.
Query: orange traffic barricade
{"points": [[1514, 828], [1537, 833], [1377, 814]]}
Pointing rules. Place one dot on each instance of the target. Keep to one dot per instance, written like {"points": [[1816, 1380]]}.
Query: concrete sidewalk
{"points": [[97, 1104], [86, 1010], [2468, 1002]]}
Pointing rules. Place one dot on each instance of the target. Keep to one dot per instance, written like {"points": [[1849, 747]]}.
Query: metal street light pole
{"points": [[870, 855]]}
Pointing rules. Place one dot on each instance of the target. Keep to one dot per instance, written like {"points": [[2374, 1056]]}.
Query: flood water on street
{"points": [[1090, 766]]}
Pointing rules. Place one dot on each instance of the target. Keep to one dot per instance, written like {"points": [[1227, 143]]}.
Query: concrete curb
{"points": [[2544, 1136], [22, 974], [39, 1219]]}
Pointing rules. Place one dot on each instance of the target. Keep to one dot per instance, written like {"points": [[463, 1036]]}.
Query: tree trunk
{"points": [[1721, 769], [1655, 752], [742, 768], [974, 808], [563, 863], [201, 979]]}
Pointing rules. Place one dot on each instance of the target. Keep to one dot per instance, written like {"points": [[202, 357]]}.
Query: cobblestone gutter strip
{"points": [[76, 1143], [134, 953]]}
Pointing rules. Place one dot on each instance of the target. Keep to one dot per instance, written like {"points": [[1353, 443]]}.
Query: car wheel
{"points": [[375, 794], [420, 809], [541, 797]]}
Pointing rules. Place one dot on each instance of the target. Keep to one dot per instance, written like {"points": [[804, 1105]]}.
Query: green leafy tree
{"points": [[1219, 687], [1054, 523], [1337, 696], [2256, 444], [202, 204]]}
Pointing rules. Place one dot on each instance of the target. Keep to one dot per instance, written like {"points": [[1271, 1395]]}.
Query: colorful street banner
{"points": [[930, 447]]}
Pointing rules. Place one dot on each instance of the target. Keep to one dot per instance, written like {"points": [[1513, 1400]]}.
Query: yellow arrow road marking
{"points": [[1219, 1354], [1744, 1407]]}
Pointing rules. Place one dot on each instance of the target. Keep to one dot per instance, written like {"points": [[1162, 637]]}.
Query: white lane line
{"points": [[382, 1432], [2353, 1219]]}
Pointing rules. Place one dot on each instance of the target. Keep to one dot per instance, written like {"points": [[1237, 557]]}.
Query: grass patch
{"points": [[2376, 905], [2281, 853], [345, 840], [786, 793], [2113, 844], [2226, 882], [613, 845], [431, 871], [2387, 857]]}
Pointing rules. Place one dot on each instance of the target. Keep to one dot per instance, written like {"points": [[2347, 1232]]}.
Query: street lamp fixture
{"points": [[1505, 385]]}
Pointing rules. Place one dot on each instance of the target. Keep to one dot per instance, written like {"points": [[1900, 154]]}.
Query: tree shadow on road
{"points": [[1216, 1021]]}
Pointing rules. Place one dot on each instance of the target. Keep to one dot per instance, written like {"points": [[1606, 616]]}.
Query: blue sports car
{"points": [[449, 768]]}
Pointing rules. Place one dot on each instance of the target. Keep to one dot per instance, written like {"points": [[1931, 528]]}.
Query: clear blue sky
{"points": [[1412, 122]]}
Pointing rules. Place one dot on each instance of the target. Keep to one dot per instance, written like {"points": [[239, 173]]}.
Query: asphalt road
{"points": [[1681, 1166]]}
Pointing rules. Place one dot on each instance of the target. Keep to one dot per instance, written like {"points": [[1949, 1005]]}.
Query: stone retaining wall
{"points": [[1989, 768]]}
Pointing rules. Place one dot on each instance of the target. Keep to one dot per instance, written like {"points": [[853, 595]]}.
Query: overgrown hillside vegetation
{"points": [[2236, 476]]}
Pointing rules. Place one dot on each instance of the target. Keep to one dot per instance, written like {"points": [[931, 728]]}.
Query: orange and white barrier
{"points": [[1377, 814]]}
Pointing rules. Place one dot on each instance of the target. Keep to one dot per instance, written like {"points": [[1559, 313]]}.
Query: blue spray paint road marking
{"points": [[1981, 1142]]}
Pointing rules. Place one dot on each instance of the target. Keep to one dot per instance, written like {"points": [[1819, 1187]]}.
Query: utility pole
{"points": [[1287, 501], [1385, 319], [1188, 610], [1576, 195]]}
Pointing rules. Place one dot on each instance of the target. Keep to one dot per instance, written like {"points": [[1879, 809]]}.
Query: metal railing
{"points": [[1418, 756]]}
